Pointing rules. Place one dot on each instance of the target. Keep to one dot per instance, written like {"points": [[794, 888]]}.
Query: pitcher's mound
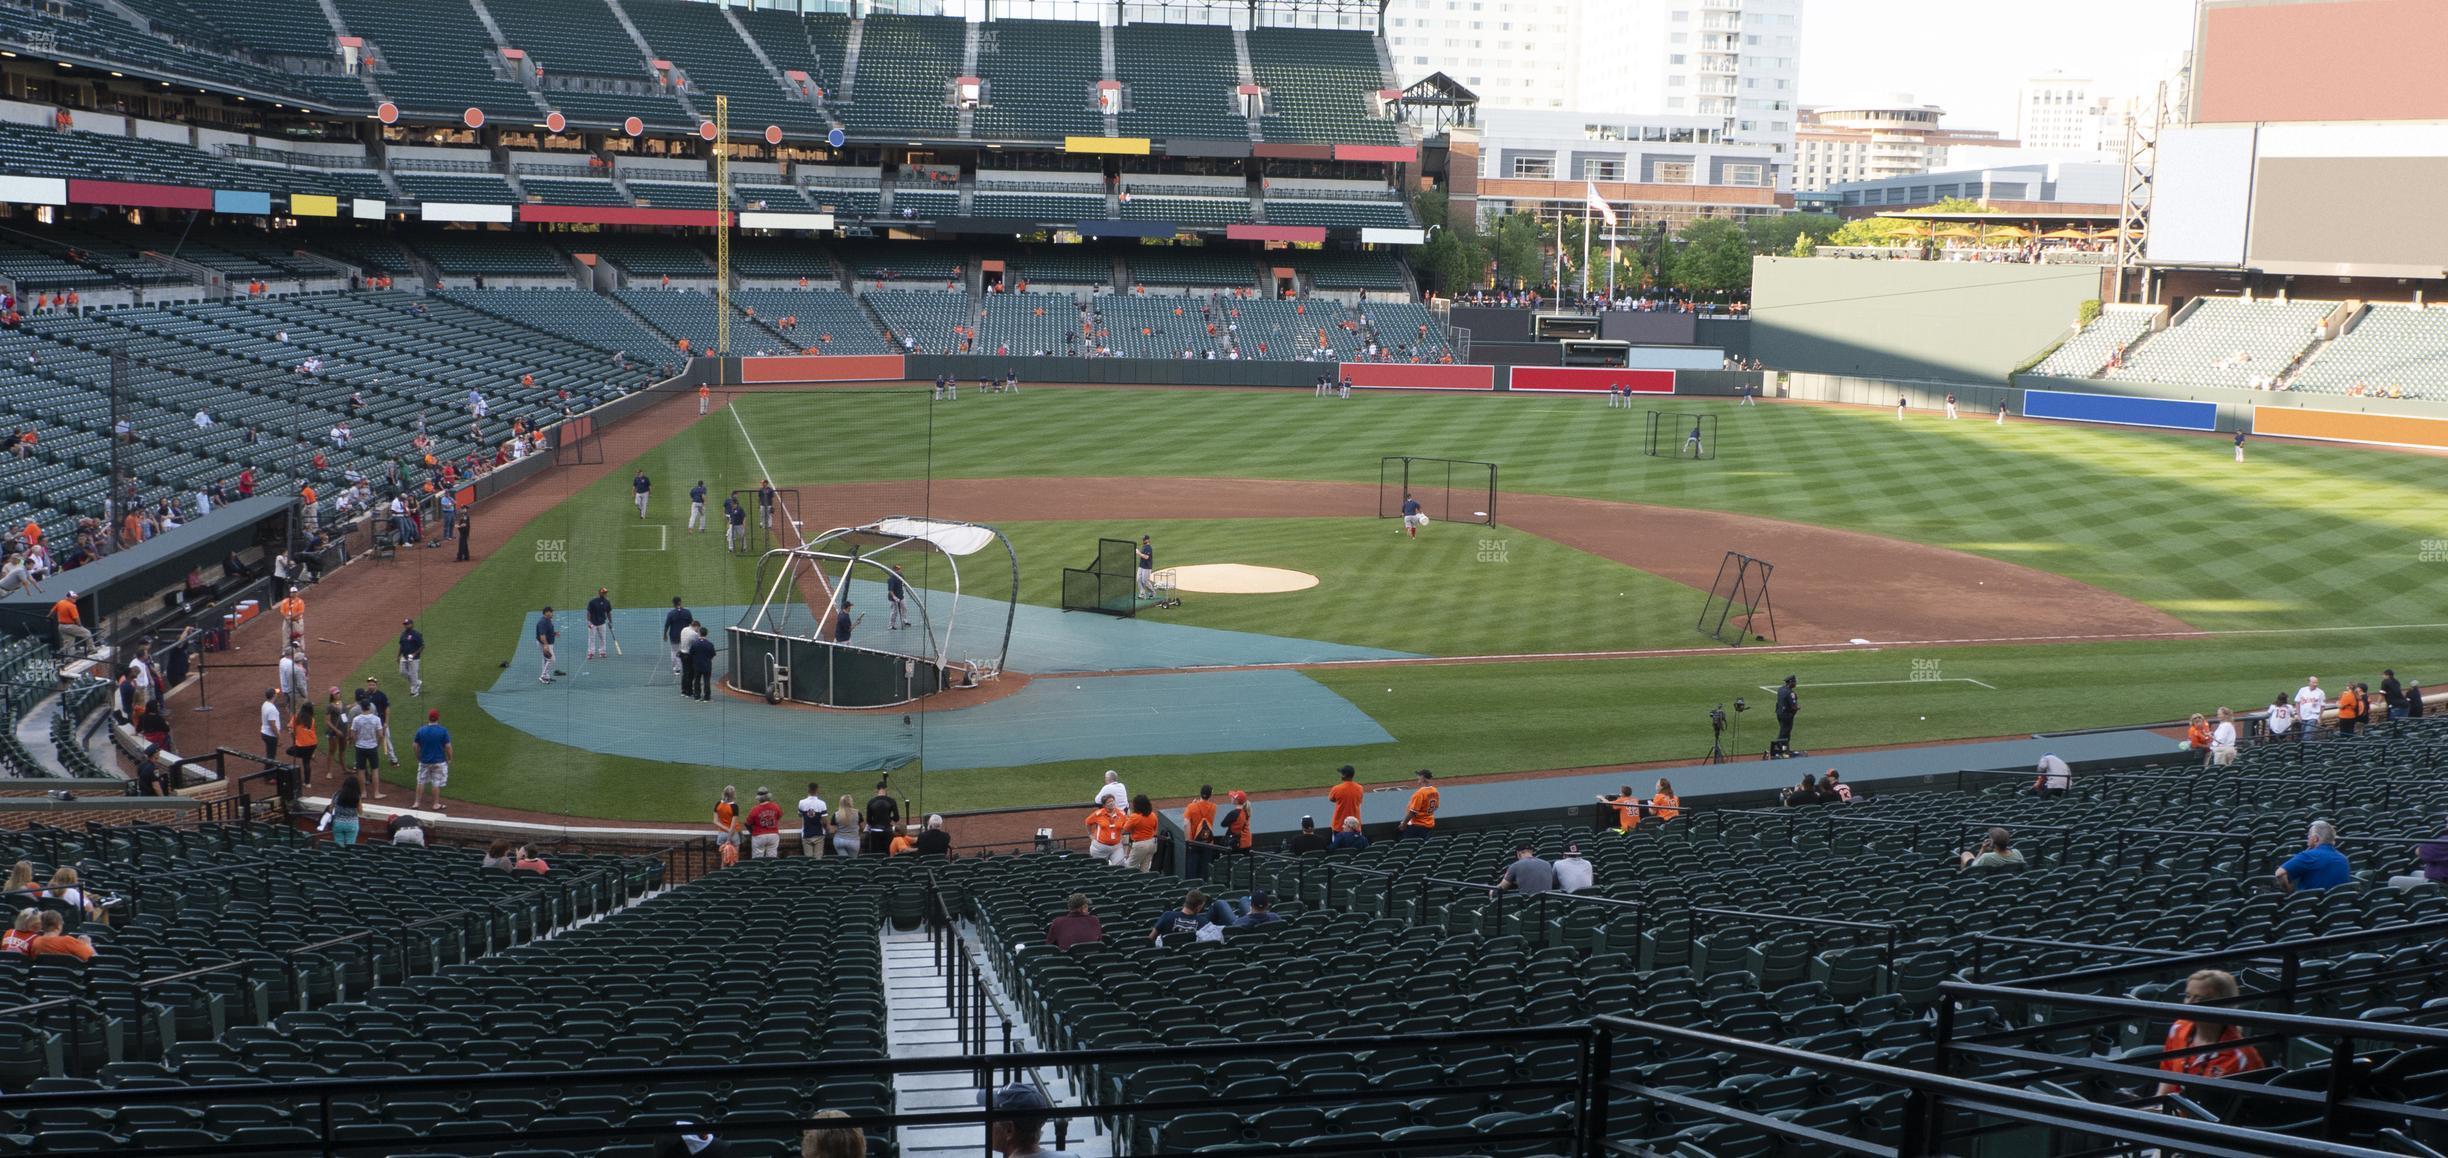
{"points": [[1239, 579]]}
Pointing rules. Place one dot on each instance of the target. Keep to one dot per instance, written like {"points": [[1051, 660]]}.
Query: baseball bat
{"points": [[615, 634]]}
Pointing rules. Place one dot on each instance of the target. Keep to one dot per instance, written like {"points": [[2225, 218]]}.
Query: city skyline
{"points": [[1851, 51]]}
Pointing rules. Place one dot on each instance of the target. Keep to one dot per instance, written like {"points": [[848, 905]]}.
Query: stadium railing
{"points": [[1929, 1098]]}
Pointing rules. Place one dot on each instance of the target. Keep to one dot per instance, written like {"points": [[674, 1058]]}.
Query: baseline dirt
{"points": [[1831, 586]]}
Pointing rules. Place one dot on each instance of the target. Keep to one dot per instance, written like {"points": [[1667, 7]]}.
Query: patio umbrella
{"points": [[2007, 231], [2068, 233]]}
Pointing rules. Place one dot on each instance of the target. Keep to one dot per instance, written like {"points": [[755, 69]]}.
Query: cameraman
{"points": [[1996, 851]]}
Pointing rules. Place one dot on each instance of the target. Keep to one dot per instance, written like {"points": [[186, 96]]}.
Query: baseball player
{"points": [[1147, 568], [599, 624], [765, 502], [705, 398], [546, 635], [2001, 412], [896, 593], [842, 623], [735, 514], [696, 523], [643, 486], [675, 621], [1901, 402], [2239, 445], [412, 657], [1951, 406], [1413, 517], [1692, 443]]}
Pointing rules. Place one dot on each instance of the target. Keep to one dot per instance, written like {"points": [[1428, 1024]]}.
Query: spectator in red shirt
{"points": [[1076, 926], [765, 826], [2217, 1057]]}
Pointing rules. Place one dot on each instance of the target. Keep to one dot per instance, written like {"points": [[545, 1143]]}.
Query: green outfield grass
{"points": [[2300, 537], [1458, 590]]}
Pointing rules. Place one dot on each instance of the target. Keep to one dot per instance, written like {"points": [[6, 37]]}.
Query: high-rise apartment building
{"points": [[2059, 113], [1845, 143], [1735, 62]]}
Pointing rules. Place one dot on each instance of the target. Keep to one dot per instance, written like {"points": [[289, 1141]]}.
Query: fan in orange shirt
{"points": [[1139, 829], [1627, 809], [1104, 830], [1198, 829], [1419, 816], [1345, 797], [2208, 985], [1665, 804]]}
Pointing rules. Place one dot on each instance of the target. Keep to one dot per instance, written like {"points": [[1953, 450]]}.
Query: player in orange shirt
{"points": [[1419, 816], [1198, 825], [1346, 798], [705, 398], [293, 615]]}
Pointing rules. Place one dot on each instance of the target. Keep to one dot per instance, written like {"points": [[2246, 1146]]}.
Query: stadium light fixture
{"points": [[120, 74], [8, 54]]}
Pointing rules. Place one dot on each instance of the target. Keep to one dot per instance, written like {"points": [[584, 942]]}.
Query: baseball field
{"points": [[2002, 579]]}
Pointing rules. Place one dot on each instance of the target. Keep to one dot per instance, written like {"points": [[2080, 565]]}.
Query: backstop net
{"points": [[1449, 490], [1109, 584], [1680, 434]]}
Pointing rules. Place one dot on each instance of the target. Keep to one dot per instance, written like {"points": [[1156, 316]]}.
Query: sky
{"points": [[1971, 58]]}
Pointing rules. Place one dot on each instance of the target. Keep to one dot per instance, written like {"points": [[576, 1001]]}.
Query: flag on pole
{"points": [[1606, 212]]}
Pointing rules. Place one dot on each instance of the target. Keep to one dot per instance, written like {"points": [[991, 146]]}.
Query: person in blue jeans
{"points": [[2319, 866], [347, 809]]}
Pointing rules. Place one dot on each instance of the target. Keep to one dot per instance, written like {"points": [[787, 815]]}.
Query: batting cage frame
{"points": [[1109, 584], [576, 442], [1449, 490], [1736, 599], [1673, 439], [762, 524]]}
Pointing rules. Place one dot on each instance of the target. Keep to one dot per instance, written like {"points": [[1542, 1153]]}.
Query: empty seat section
{"points": [[1040, 80]]}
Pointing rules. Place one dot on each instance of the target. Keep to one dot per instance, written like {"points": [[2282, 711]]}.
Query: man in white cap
{"points": [[1113, 791]]}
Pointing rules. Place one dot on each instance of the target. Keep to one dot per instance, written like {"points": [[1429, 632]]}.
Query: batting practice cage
{"points": [[1737, 600], [1109, 584], [786, 647], [1676, 434], [768, 527], [1449, 490]]}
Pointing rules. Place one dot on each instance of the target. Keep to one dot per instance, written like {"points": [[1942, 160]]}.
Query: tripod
{"points": [[1717, 727]]}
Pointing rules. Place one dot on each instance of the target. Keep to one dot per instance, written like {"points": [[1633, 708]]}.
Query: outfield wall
{"points": [[2260, 411], [1946, 321]]}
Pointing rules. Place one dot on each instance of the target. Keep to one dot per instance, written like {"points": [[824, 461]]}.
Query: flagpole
{"points": [[1585, 238], [1611, 260]]}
